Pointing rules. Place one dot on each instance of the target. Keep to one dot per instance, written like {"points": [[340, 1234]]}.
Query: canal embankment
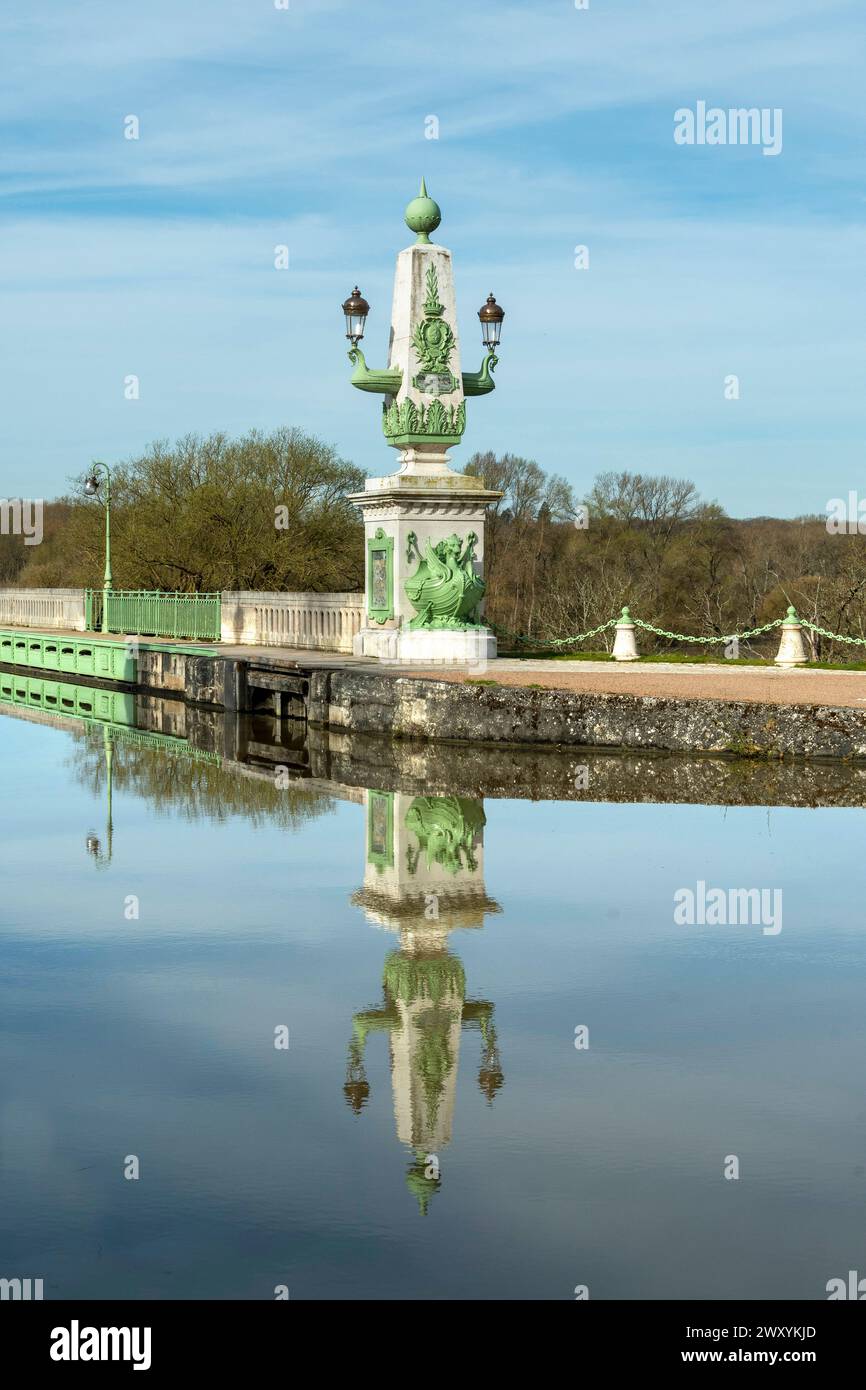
{"points": [[416, 707], [736, 712]]}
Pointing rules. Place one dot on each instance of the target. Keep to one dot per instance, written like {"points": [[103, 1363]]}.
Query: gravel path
{"points": [[770, 685]]}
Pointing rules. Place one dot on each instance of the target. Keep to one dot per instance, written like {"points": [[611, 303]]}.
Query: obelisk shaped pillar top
{"points": [[428, 415]]}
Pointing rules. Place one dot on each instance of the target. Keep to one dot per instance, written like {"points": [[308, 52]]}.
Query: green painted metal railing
{"points": [[149, 613], [72, 655]]}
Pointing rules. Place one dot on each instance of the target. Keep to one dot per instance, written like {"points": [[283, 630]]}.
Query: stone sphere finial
{"points": [[422, 215]]}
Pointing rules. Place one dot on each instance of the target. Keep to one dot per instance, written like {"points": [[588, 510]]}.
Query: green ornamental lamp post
{"points": [[424, 523], [91, 488]]}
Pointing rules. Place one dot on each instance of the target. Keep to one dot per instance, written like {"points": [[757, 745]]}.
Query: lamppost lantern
{"points": [[356, 310], [491, 315], [91, 487]]}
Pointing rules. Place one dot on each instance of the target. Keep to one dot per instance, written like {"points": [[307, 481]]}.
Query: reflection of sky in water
{"points": [[154, 1037]]}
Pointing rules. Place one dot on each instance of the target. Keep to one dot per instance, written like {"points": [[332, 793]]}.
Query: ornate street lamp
{"points": [[491, 315], [356, 310], [91, 488]]}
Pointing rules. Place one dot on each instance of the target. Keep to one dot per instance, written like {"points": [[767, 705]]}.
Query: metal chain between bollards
{"points": [[638, 622], [553, 641], [686, 637], [834, 636], [675, 636]]}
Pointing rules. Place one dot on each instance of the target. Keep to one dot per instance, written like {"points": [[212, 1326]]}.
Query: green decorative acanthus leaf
{"points": [[445, 591], [406, 421], [437, 979]]}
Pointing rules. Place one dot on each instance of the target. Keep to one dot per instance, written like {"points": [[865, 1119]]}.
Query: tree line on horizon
{"points": [[269, 512], [558, 566]]}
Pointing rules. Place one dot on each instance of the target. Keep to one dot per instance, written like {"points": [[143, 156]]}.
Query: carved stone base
{"points": [[402, 514], [378, 642], [427, 646]]}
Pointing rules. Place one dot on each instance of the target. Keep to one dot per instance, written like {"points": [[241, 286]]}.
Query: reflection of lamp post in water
{"points": [[91, 487], [424, 878], [94, 846]]}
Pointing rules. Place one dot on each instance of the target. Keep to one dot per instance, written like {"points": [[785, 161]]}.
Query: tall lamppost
{"points": [[91, 487]]}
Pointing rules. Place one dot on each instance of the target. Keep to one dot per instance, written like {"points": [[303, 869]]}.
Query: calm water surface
{"points": [[431, 1131]]}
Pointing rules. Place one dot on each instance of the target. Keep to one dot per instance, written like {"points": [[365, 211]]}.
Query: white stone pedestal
{"points": [[428, 648], [401, 513]]}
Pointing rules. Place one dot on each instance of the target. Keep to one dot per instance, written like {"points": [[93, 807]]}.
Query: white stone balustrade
{"points": [[61, 609], [312, 622]]}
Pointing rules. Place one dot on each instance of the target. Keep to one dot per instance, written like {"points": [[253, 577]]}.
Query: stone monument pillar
{"points": [[424, 523]]}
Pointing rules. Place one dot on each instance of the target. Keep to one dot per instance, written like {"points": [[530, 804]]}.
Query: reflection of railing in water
{"points": [[67, 698], [112, 713], [149, 738], [112, 709]]}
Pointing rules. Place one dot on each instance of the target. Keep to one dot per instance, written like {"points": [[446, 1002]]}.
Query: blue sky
{"points": [[306, 127]]}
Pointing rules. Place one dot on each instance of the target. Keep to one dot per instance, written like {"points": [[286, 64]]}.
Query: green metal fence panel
{"points": [[149, 613]]}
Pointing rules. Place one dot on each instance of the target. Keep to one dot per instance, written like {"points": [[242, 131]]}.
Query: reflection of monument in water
{"points": [[424, 878]]}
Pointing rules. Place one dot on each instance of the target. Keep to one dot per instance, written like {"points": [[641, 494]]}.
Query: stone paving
{"points": [[759, 684]]}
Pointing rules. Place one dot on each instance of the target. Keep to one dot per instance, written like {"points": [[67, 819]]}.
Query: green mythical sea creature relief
{"points": [[446, 828], [445, 591]]}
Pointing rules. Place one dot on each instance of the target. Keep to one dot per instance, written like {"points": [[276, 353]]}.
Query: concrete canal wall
{"points": [[349, 764]]}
